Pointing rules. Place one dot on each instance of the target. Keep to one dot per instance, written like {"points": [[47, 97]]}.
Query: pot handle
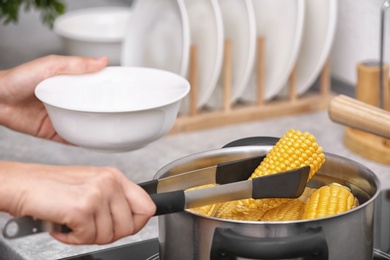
{"points": [[252, 141], [228, 244]]}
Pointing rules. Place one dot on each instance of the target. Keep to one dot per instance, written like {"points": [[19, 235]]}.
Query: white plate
{"points": [[158, 36], [281, 24], [240, 28], [319, 30], [206, 29]]}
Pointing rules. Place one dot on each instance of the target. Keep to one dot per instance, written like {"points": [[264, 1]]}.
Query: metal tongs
{"points": [[170, 195]]}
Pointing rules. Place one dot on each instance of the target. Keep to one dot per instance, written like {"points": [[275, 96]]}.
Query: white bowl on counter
{"points": [[94, 32], [115, 110]]}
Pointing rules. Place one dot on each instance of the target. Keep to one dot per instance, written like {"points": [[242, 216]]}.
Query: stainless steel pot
{"points": [[345, 236]]}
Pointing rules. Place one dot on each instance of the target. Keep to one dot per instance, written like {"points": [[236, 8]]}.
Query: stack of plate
{"points": [[297, 33]]}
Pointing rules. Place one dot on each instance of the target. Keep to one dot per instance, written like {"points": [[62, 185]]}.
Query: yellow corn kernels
{"points": [[248, 209], [306, 194], [291, 210], [329, 200], [208, 210], [294, 150]]}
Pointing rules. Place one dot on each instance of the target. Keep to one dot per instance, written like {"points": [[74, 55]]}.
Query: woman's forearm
{"points": [[11, 185]]}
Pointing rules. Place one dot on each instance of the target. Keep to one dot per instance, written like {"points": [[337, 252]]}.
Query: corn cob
{"points": [[305, 197], [295, 149], [291, 210], [239, 210], [329, 200]]}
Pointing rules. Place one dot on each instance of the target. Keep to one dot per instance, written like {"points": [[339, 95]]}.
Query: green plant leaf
{"points": [[49, 9]]}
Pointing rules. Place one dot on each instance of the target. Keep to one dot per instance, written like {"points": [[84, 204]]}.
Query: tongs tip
{"points": [[288, 184]]}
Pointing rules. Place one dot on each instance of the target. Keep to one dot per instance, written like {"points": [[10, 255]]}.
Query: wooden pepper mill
{"points": [[368, 90]]}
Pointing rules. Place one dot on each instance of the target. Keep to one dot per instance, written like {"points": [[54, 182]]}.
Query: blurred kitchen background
{"points": [[356, 38], [29, 38]]}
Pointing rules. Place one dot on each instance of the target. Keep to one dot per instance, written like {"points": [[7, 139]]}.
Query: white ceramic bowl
{"points": [[115, 110], [94, 32]]}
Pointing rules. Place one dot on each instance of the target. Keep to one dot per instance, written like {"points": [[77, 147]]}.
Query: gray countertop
{"points": [[142, 164]]}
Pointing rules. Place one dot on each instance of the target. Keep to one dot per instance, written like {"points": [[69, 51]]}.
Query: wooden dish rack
{"points": [[229, 114]]}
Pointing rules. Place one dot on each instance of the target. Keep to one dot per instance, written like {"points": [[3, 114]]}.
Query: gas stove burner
{"points": [[149, 250]]}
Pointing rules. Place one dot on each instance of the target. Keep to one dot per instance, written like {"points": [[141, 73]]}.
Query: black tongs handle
{"points": [[169, 202], [150, 186]]}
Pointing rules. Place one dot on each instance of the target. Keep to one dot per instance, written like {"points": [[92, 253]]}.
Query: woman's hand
{"points": [[20, 110], [99, 204]]}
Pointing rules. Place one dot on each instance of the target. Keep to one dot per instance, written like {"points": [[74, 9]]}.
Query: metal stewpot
{"points": [[349, 235]]}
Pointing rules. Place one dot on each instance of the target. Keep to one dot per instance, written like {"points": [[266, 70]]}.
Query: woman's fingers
{"points": [[28, 75], [72, 65], [20, 109], [121, 209], [82, 224], [140, 202], [54, 65], [99, 204]]}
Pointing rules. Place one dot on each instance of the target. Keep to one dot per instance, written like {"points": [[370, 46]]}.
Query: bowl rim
{"points": [[80, 12], [42, 84]]}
